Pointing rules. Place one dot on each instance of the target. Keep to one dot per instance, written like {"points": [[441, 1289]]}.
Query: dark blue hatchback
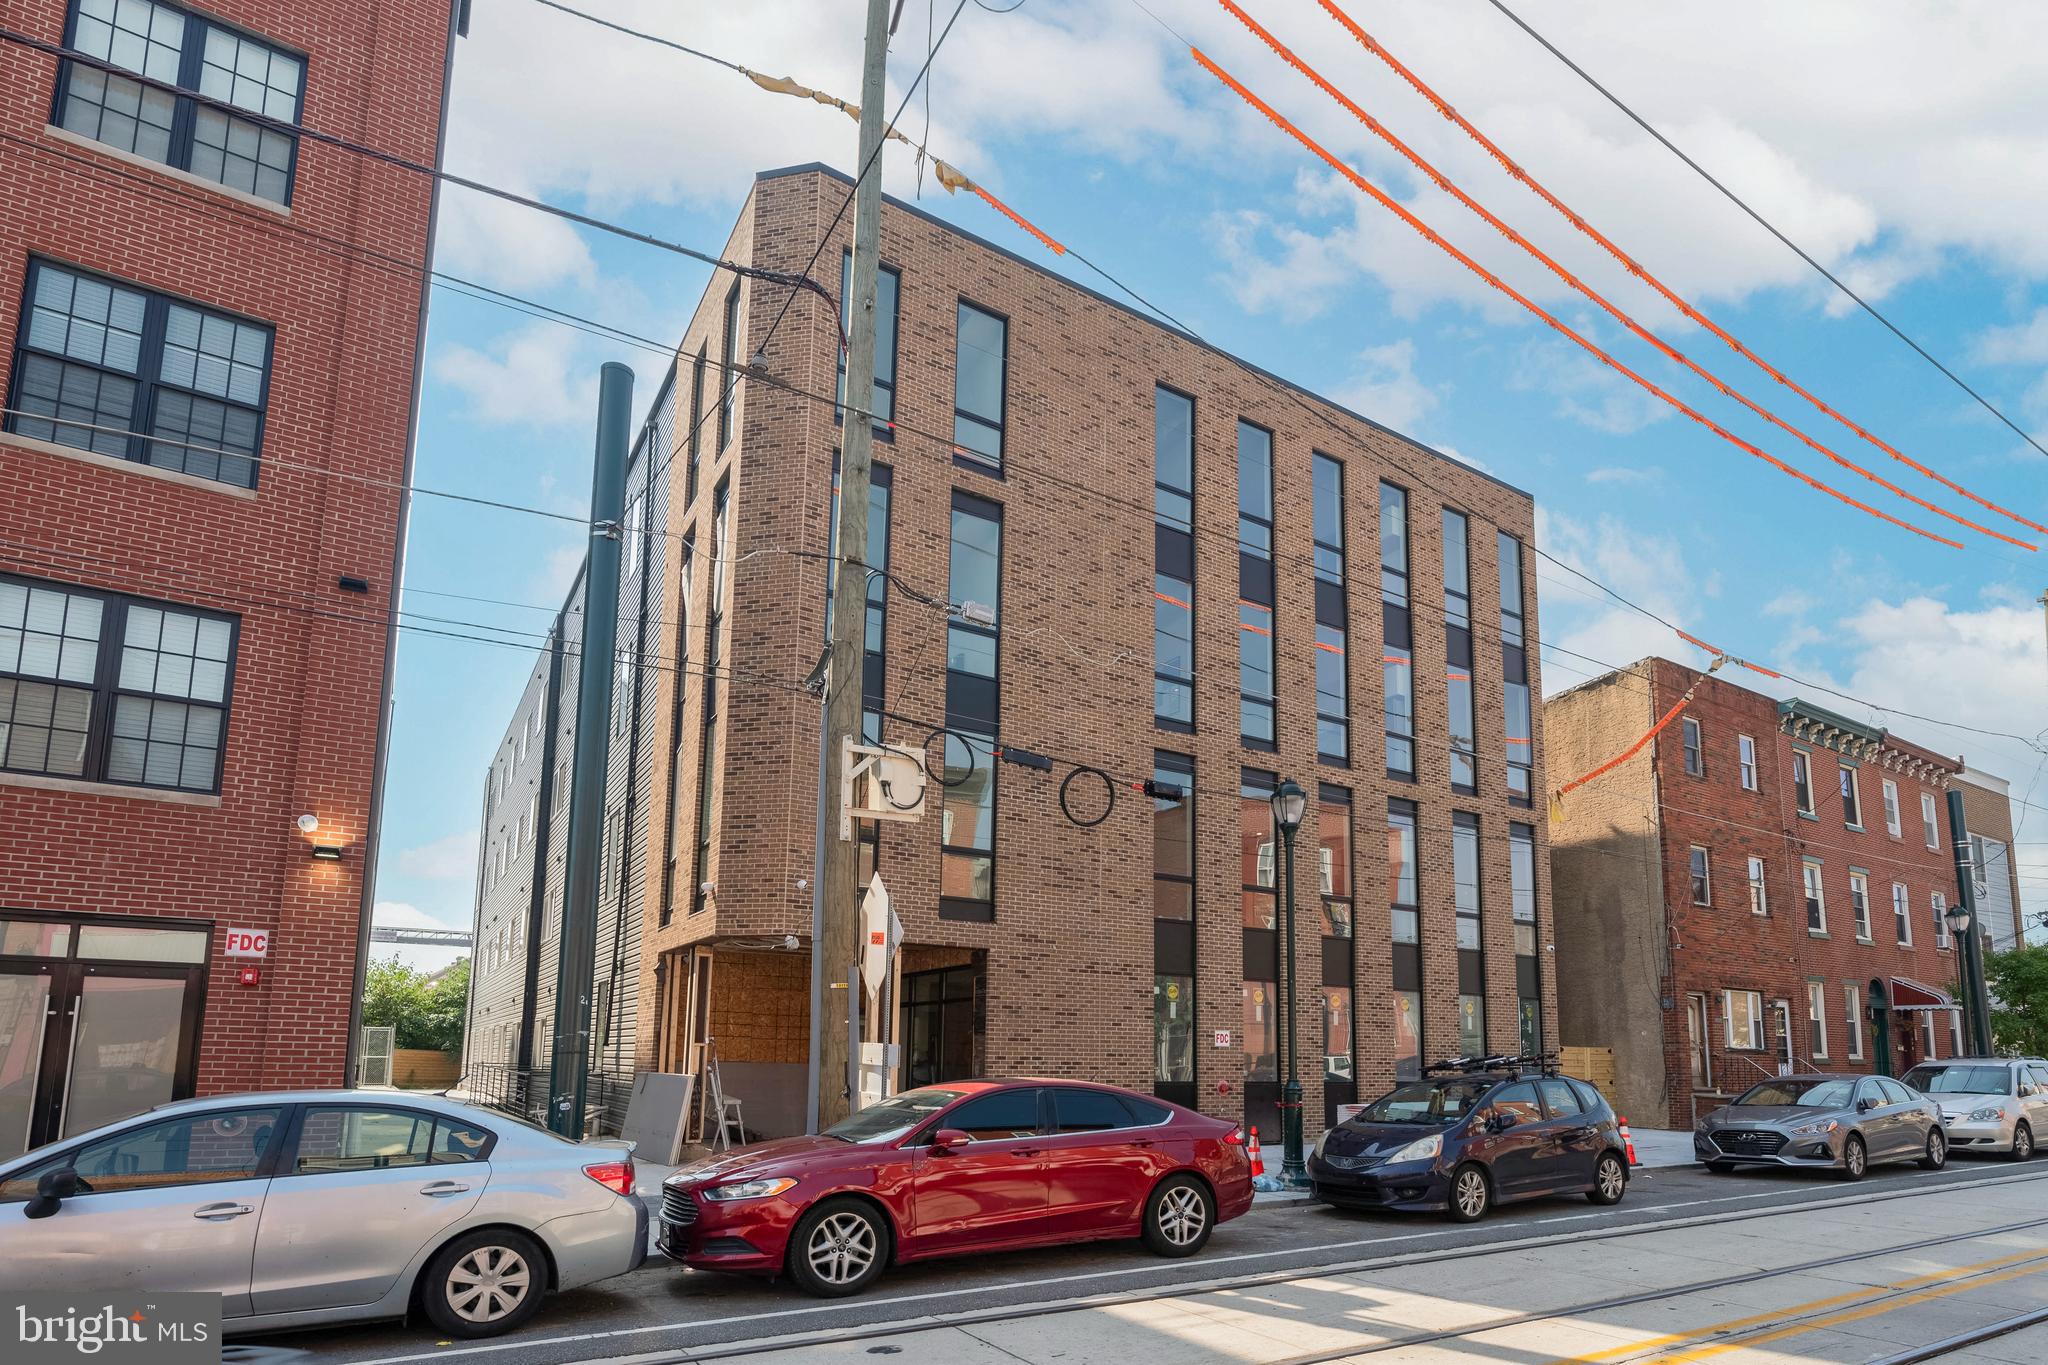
{"points": [[1472, 1133]]}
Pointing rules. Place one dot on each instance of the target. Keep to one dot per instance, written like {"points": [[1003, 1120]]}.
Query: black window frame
{"points": [[1256, 589], [965, 717], [147, 377], [1174, 561], [1692, 747], [884, 428], [1331, 572], [696, 427], [106, 686], [1514, 650], [730, 355], [974, 459], [189, 99]]}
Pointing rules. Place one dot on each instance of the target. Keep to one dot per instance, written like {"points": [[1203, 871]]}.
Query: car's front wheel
{"points": [[1471, 1194], [1937, 1151], [484, 1283], [1610, 1180], [1179, 1217], [2022, 1142], [1855, 1158], [838, 1248]]}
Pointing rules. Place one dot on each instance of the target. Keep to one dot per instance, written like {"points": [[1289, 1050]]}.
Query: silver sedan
{"points": [[1839, 1123], [317, 1207]]}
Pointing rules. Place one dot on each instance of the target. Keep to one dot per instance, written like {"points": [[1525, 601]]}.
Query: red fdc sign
{"points": [[875, 937], [246, 942]]}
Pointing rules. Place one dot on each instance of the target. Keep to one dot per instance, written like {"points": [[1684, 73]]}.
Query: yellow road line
{"points": [[1811, 1306]]}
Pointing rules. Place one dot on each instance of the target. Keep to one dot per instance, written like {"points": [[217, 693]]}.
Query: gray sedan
{"points": [[1837, 1123], [319, 1207]]}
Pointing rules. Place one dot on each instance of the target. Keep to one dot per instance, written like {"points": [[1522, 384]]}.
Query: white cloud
{"points": [[1386, 388], [452, 858], [1599, 632], [2022, 343], [1583, 390], [529, 377], [555, 572], [508, 246], [1623, 474], [1791, 602]]}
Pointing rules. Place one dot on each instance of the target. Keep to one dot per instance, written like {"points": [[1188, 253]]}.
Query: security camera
{"points": [[706, 888], [803, 883], [308, 823]]}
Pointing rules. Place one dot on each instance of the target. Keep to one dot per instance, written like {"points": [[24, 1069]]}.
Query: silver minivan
{"points": [[314, 1207], [1988, 1104]]}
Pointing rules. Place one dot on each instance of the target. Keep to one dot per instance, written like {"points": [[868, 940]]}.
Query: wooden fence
{"points": [[422, 1068]]}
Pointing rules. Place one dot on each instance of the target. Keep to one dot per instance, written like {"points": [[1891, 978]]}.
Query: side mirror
{"points": [[53, 1189], [1500, 1120], [950, 1140], [1865, 1105]]}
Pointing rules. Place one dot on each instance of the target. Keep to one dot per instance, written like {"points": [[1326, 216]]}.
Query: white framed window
{"points": [[1702, 881], [1742, 1013], [1940, 904], [1902, 914], [1816, 898], [1852, 798], [1852, 1020], [1745, 748], [1817, 1017], [1859, 904], [1759, 900], [1928, 824], [1695, 763], [1802, 781], [1891, 808]]}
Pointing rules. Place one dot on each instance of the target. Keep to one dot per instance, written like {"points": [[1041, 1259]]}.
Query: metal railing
{"points": [[523, 1090]]}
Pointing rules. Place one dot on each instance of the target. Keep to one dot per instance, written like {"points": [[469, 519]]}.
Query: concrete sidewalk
{"points": [[1662, 1147]]}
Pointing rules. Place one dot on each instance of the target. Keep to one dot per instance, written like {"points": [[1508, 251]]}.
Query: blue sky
{"points": [[1905, 150]]}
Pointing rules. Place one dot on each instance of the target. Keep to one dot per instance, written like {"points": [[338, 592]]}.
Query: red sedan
{"points": [[965, 1167]]}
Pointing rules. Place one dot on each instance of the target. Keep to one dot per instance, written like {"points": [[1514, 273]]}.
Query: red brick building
{"points": [[211, 336], [1738, 896], [1184, 571]]}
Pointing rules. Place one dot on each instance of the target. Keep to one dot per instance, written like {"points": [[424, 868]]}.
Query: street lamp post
{"points": [[1960, 923], [1289, 803]]}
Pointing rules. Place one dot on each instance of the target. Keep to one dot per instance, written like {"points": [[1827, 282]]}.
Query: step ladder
{"points": [[729, 1130]]}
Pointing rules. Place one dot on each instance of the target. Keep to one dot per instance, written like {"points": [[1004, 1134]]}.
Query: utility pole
{"points": [[1970, 941], [569, 1062], [838, 961]]}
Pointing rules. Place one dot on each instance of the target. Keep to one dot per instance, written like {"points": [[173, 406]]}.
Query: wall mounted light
{"points": [[327, 853], [308, 823]]}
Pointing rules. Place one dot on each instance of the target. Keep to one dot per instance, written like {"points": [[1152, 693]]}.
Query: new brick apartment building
{"points": [[211, 336], [1181, 566], [1740, 895]]}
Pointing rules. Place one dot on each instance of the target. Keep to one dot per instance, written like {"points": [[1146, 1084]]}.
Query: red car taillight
{"points": [[1235, 1137], [616, 1176]]}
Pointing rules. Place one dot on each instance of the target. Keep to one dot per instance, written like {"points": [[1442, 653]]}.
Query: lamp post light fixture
{"points": [[1958, 919], [1290, 802]]}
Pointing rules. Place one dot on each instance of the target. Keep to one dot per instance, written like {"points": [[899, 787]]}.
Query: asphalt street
{"points": [[663, 1308]]}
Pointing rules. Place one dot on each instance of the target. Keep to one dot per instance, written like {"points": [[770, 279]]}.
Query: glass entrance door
{"points": [[938, 1026], [127, 1038], [24, 1020]]}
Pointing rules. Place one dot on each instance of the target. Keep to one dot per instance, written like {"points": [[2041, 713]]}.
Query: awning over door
{"points": [[1909, 995]]}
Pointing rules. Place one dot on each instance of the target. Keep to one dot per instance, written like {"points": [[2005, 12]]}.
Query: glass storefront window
{"points": [[1407, 1036], [1173, 1028], [33, 938], [1337, 1062], [1261, 1031], [1471, 1026], [127, 943]]}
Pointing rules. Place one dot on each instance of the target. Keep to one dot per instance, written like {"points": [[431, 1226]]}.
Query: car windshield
{"points": [[1828, 1093], [1961, 1080], [1438, 1102], [893, 1117]]}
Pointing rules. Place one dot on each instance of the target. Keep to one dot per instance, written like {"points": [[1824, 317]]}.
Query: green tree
{"points": [[426, 1012], [2019, 983]]}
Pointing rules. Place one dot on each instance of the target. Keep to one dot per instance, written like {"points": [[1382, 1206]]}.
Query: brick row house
{"points": [[1178, 567], [1764, 886], [211, 368]]}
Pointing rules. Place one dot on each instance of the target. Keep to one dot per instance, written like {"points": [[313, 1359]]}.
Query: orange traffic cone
{"points": [[1258, 1162], [1628, 1144]]}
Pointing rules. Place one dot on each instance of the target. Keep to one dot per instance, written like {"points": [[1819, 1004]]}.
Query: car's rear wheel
{"points": [[1610, 1180], [2022, 1142], [838, 1248], [1855, 1158], [1179, 1217], [484, 1283], [1937, 1151], [1471, 1194]]}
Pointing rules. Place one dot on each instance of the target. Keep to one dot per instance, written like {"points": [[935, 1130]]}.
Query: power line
{"points": [[1768, 226]]}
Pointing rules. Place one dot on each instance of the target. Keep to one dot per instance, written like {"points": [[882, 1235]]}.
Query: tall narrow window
{"points": [[1891, 808], [1405, 914], [1816, 898], [1928, 824], [1333, 685], [1255, 585], [1397, 658], [195, 54], [1258, 909], [1759, 894], [968, 835], [1464, 731], [696, 428], [1339, 979], [731, 356], [1902, 915], [673, 816], [1520, 720], [873, 670], [1852, 804], [1173, 927], [882, 402], [1745, 752], [1852, 1020], [1695, 762], [1859, 904], [980, 360], [708, 767], [1702, 880], [1817, 1017], [1173, 572], [1465, 894], [1939, 904], [1522, 897], [1802, 781]]}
